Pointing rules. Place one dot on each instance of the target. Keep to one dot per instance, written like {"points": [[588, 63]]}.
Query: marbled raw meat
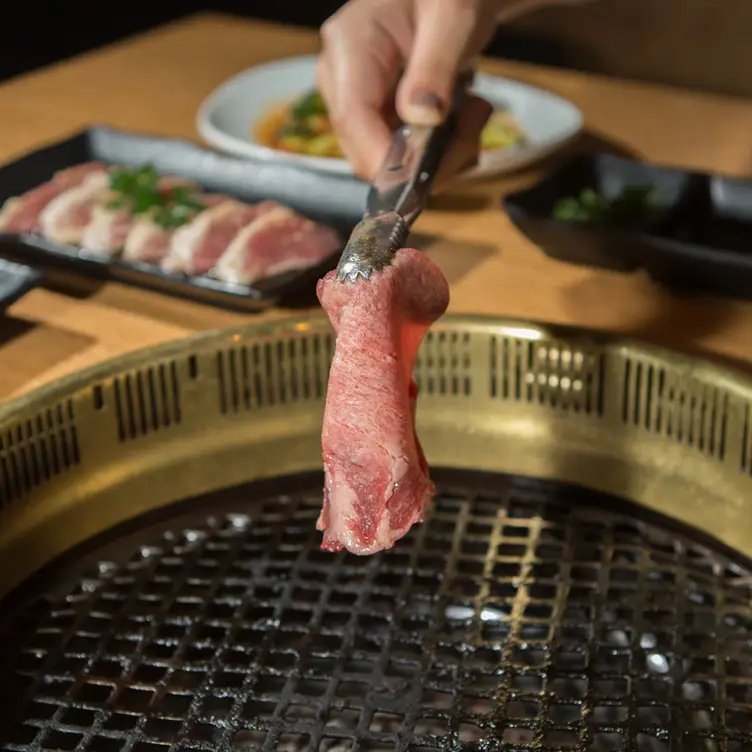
{"points": [[65, 218], [21, 214], [150, 243], [147, 241], [109, 227], [277, 241], [376, 476], [197, 246]]}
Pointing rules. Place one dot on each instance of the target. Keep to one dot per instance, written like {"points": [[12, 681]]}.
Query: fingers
{"points": [[465, 149], [364, 48], [449, 34], [356, 75]]}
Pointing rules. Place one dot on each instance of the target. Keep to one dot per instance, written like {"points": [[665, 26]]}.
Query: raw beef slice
{"points": [[277, 241], [21, 214], [147, 242], [109, 228], [150, 243], [376, 477], [197, 246], [65, 218]]}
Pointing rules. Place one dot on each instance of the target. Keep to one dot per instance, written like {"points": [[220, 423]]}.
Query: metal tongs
{"points": [[399, 192]]}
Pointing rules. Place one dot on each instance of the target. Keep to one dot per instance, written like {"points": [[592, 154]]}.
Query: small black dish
{"points": [[334, 200], [708, 249], [610, 246], [15, 281]]}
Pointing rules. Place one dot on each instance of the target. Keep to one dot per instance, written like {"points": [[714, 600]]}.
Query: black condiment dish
{"points": [[622, 245]]}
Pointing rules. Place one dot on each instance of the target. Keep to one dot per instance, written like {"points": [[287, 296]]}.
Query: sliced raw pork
{"points": [[276, 242], [376, 477], [150, 243], [21, 214], [65, 218], [147, 242], [197, 246], [109, 227]]}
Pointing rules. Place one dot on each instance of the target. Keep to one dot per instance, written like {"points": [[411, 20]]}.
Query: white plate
{"points": [[227, 117]]}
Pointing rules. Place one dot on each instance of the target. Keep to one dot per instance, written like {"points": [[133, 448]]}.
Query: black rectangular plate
{"points": [[15, 281], [708, 248], [621, 248], [699, 240], [335, 200]]}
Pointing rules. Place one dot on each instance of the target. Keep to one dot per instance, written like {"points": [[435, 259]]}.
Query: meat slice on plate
{"points": [[21, 214], [109, 227], [376, 477], [197, 246], [65, 218], [149, 242], [276, 242]]}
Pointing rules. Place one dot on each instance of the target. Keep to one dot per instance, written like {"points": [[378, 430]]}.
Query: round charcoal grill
{"points": [[581, 582]]}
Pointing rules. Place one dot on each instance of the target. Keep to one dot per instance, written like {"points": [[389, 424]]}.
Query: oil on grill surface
{"points": [[517, 617]]}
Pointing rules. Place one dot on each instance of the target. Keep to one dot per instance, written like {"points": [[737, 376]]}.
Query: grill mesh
{"points": [[519, 616]]}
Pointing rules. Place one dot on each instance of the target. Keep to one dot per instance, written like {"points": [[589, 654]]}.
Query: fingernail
{"points": [[425, 108]]}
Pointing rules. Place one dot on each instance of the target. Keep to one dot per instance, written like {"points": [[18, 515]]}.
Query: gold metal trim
{"points": [[668, 431]]}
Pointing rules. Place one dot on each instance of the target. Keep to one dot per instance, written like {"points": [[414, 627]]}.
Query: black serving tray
{"points": [[621, 248], [698, 241], [709, 247], [15, 281], [331, 199]]}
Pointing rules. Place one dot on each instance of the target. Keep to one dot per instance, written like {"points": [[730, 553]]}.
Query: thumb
{"points": [[449, 34]]}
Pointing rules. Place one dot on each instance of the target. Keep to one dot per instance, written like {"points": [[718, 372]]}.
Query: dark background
{"points": [[34, 34]]}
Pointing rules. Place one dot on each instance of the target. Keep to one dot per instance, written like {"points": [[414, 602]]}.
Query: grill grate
{"points": [[519, 616]]}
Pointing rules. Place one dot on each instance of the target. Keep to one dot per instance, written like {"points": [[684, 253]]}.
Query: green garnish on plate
{"points": [[138, 190], [633, 203], [310, 104]]}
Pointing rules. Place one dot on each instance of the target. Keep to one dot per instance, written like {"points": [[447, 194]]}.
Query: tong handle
{"points": [[398, 193], [415, 155]]}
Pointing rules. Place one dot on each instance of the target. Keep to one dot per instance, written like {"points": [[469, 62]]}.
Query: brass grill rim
{"points": [[591, 408], [528, 407], [728, 376]]}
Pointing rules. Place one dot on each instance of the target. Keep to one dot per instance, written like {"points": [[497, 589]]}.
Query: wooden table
{"points": [[155, 83]]}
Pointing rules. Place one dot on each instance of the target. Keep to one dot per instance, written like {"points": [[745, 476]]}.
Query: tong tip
{"points": [[371, 247]]}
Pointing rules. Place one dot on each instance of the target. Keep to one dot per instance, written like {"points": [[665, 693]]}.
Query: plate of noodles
{"points": [[274, 112]]}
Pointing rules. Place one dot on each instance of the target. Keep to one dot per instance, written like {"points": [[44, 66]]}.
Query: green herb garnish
{"points": [[631, 204], [139, 191], [304, 111], [310, 104], [297, 129]]}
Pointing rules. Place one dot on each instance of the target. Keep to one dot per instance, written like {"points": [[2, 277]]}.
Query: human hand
{"points": [[418, 47], [371, 46]]}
